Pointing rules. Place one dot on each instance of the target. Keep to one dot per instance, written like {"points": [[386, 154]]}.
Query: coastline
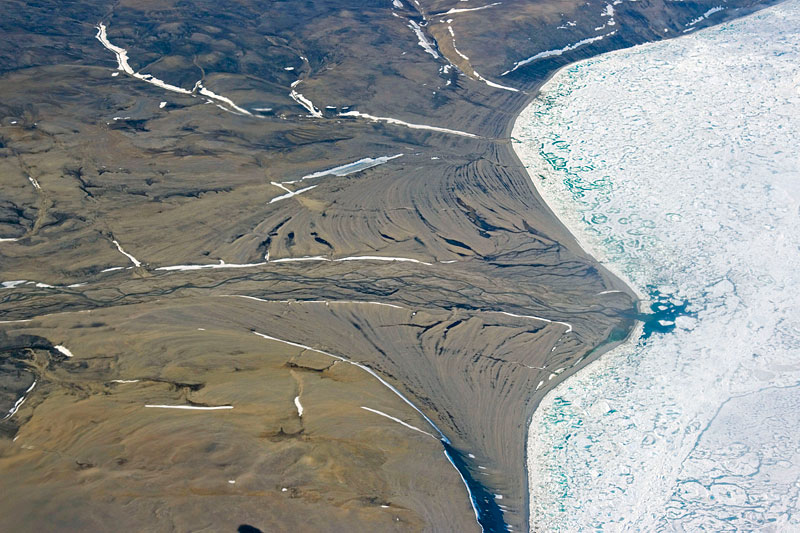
{"points": [[477, 228], [536, 166], [594, 358], [611, 273]]}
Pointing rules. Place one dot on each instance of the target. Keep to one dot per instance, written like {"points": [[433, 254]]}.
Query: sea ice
{"points": [[675, 163]]}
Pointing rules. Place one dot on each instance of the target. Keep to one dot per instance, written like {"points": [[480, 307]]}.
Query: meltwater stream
{"points": [[678, 164]]}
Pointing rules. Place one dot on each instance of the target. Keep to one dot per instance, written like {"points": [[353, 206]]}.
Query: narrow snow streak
{"points": [[344, 170], [211, 266], [475, 72], [567, 324], [493, 84], [123, 65], [135, 261], [351, 258], [206, 92], [552, 53], [381, 258], [390, 417], [19, 402], [278, 184], [222, 265], [453, 35], [464, 10], [469, 490], [19, 282], [422, 40], [326, 302], [609, 292], [190, 407], [300, 259], [394, 121], [291, 194], [366, 369], [299, 406], [306, 103]]}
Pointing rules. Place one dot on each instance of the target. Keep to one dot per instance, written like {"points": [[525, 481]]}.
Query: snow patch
{"points": [[558, 52], [397, 122], [64, 350]]}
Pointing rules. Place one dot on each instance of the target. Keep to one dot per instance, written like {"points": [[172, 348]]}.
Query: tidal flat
{"points": [[176, 177]]}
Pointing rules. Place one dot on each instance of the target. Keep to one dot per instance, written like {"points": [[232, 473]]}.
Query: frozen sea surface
{"points": [[678, 165]]}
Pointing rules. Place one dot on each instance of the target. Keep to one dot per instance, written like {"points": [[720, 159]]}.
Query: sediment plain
{"points": [[171, 236]]}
